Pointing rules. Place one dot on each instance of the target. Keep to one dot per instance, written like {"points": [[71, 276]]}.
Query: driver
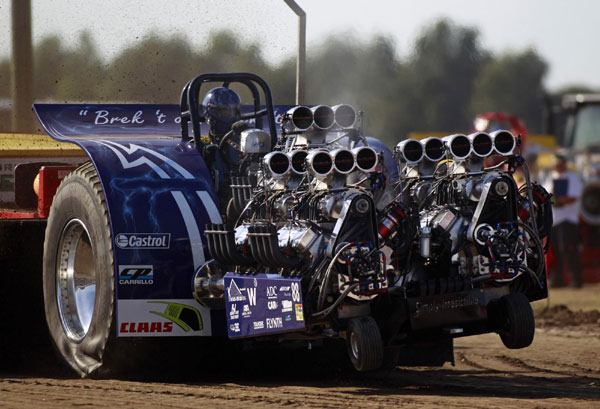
{"points": [[222, 108]]}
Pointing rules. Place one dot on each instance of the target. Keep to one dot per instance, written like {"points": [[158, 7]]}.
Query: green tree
{"points": [[82, 72], [48, 67], [443, 69], [152, 71], [156, 69], [345, 69], [282, 81], [513, 83]]}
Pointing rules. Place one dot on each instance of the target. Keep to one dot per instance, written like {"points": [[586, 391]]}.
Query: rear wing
{"points": [[73, 122]]}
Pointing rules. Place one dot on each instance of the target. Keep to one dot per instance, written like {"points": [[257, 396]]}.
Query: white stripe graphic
{"points": [[138, 162], [133, 148], [210, 206], [192, 229]]}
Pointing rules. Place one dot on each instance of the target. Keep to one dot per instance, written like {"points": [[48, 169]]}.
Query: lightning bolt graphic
{"points": [[143, 160]]}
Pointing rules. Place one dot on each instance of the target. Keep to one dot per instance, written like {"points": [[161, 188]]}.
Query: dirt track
{"points": [[560, 369]]}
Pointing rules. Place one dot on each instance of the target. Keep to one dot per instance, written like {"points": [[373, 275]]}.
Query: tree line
{"points": [[441, 85]]}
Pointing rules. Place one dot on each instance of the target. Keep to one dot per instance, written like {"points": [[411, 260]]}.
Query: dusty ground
{"points": [[561, 369]]}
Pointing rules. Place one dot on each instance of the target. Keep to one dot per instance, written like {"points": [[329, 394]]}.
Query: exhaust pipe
{"points": [[323, 117], [298, 161], [319, 164], [504, 142], [343, 161], [301, 117], [434, 149], [366, 158], [482, 144], [410, 151], [459, 146], [345, 116], [278, 164]]}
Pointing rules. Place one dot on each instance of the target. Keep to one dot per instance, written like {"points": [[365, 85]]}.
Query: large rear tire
{"points": [[78, 272], [365, 346], [518, 328]]}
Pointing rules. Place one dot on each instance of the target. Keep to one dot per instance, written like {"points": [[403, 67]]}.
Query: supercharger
{"points": [[310, 208], [469, 221]]}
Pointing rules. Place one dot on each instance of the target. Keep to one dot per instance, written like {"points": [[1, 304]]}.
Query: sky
{"points": [[565, 33]]}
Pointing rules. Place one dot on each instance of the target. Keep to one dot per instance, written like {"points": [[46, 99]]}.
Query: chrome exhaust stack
{"points": [[409, 153], [323, 117], [366, 158], [433, 151], [300, 117], [319, 164], [277, 164], [504, 142], [345, 116], [459, 146], [482, 146], [343, 161]]}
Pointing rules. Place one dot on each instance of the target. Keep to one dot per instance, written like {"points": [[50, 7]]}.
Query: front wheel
{"points": [[518, 328], [78, 271], [365, 346]]}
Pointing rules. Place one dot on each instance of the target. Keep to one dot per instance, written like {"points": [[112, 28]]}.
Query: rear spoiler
{"points": [[72, 122]]}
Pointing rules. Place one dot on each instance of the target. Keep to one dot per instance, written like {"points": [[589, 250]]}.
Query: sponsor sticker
{"points": [[152, 318], [130, 241], [145, 327], [296, 292], [271, 291], [286, 306], [234, 292], [142, 274], [246, 311], [299, 313], [251, 296], [272, 305], [234, 314], [276, 322], [258, 324], [235, 327]]}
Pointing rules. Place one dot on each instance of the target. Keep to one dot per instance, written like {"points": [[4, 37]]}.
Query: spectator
{"points": [[566, 187]]}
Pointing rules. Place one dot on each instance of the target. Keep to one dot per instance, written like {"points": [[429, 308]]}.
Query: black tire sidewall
{"points": [[78, 198], [520, 329], [369, 342]]}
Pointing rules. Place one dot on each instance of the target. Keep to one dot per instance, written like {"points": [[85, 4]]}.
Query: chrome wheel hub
{"points": [[76, 280]]}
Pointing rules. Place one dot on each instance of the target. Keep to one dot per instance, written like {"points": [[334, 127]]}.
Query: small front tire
{"points": [[364, 343], [518, 327]]}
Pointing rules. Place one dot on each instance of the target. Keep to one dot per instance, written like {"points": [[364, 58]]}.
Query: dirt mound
{"points": [[561, 315]]}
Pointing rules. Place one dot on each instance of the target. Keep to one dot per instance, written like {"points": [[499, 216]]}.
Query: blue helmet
{"points": [[222, 106]]}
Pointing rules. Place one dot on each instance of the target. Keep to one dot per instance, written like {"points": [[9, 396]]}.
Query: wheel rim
{"points": [[76, 280], [354, 345]]}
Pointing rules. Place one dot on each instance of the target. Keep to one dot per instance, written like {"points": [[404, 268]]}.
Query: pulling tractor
{"points": [[256, 222]]}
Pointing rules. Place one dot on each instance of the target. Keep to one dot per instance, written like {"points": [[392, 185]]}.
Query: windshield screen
{"points": [[587, 128]]}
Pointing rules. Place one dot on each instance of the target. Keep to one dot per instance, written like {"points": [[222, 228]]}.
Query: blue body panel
{"points": [[159, 195]]}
